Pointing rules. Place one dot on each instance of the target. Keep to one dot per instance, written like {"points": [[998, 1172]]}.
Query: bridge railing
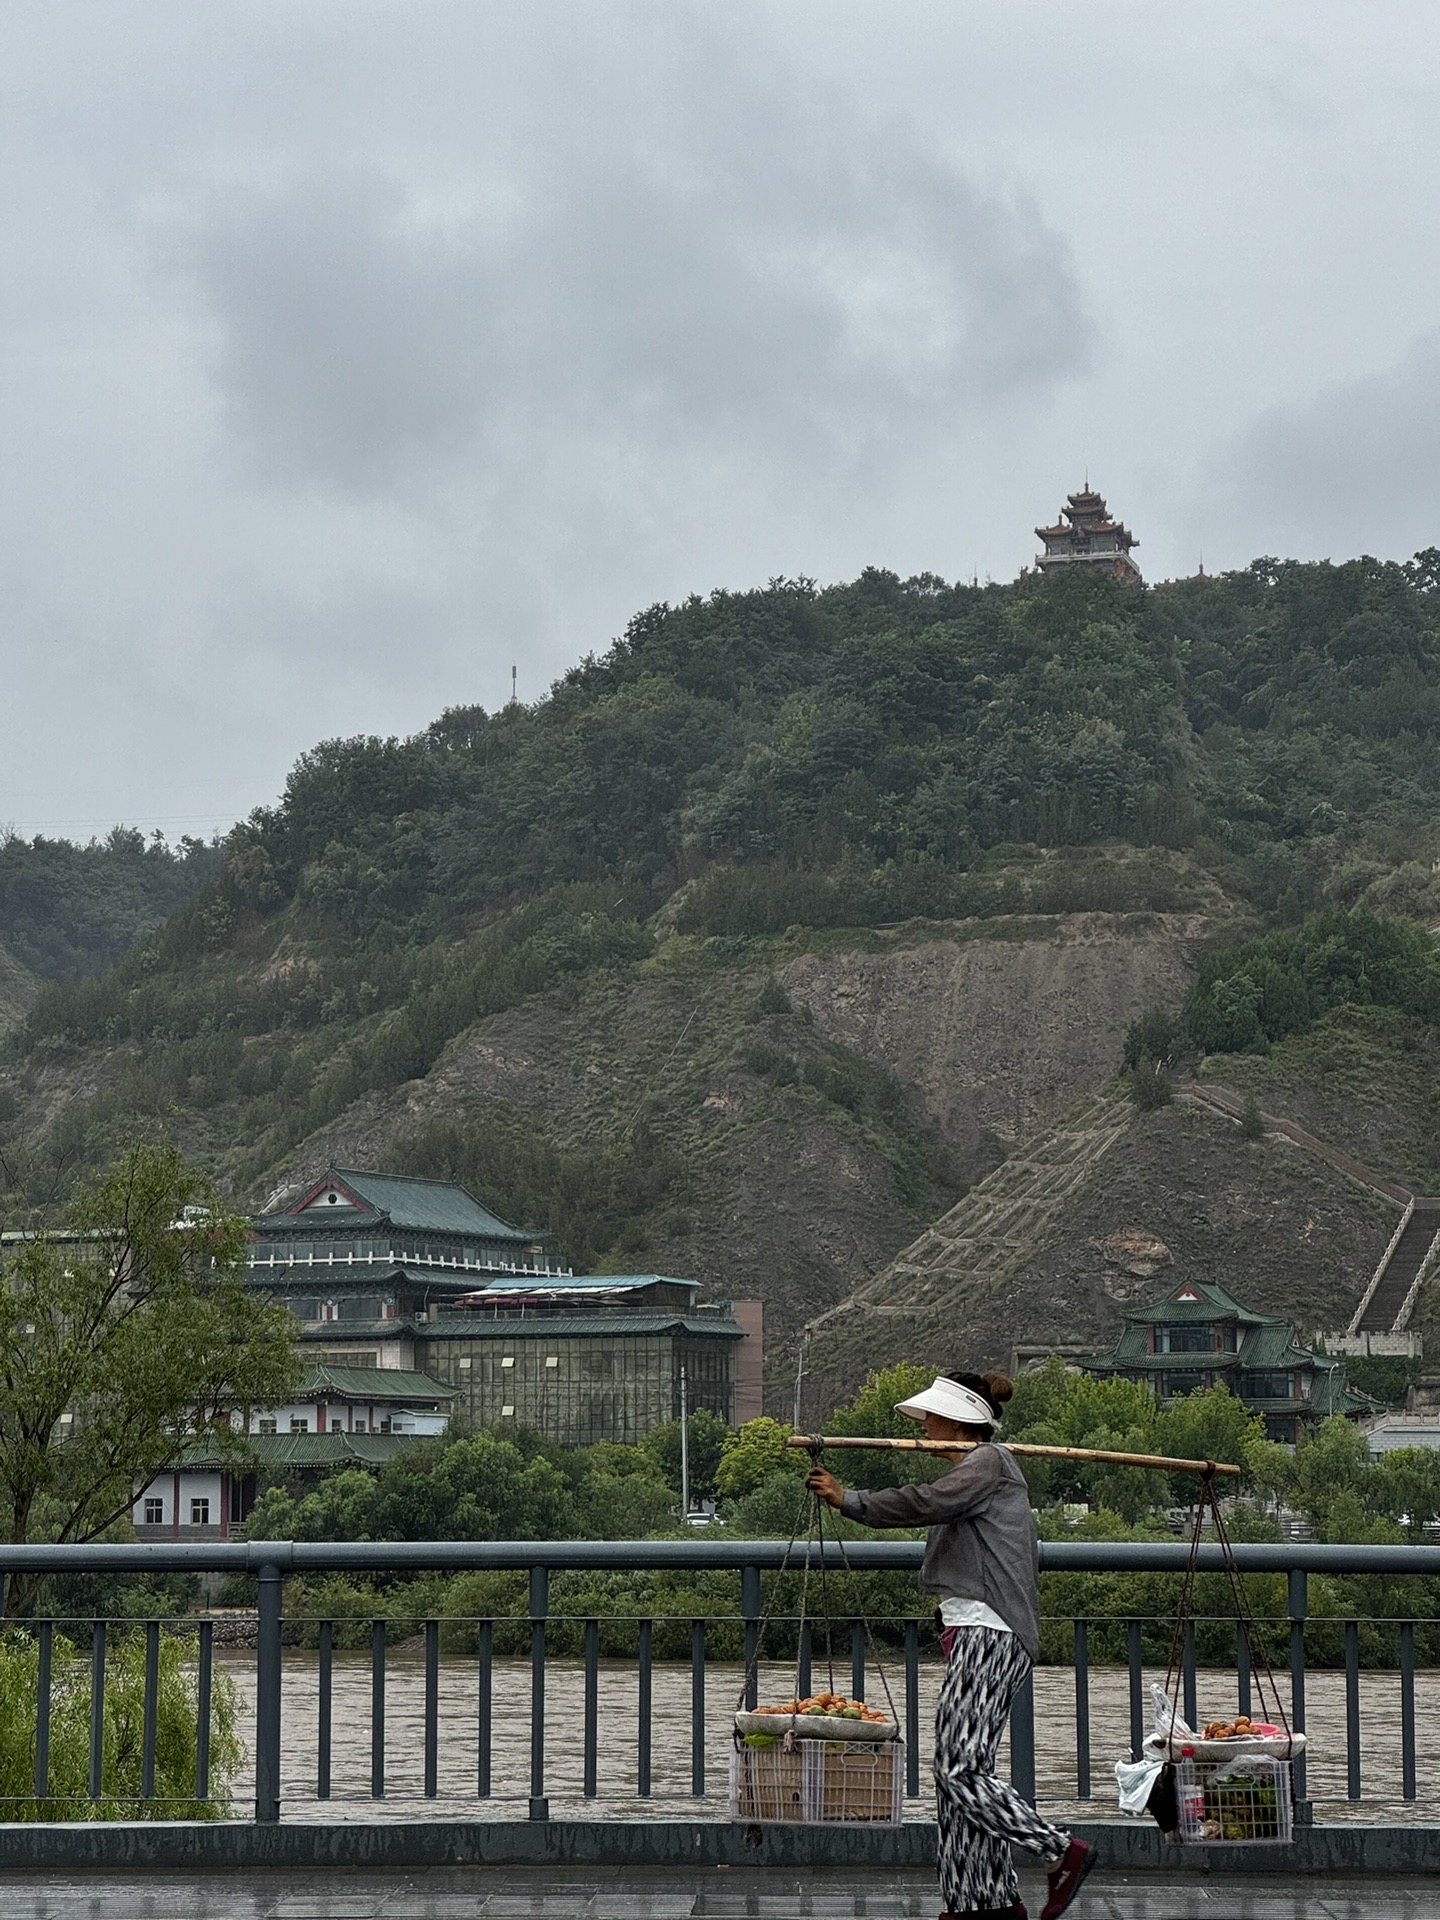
{"points": [[483, 1709]]}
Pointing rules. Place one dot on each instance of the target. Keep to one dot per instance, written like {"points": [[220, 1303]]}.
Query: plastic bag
{"points": [[1166, 1724], [1136, 1781]]}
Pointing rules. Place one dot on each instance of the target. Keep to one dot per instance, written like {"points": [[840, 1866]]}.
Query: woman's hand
{"points": [[825, 1486]]}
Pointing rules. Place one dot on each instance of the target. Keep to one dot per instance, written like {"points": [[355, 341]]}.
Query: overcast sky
{"points": [[356, 350]]}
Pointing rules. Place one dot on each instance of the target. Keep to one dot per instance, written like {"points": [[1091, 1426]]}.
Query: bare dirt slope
{"points": [[1000, 1027]]}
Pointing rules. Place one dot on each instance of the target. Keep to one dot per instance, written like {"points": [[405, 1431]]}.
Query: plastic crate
{"points": [[819, 1783], [1234, 1803], [767, 1784]]}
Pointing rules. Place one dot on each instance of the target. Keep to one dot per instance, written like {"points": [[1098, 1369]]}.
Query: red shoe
{"points": [[1065, 1877]]}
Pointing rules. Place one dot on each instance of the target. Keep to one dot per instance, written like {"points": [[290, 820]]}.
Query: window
{"points": [[507, 1413], [464, 1363], [266, 1423], [359, 1426], [154, 1513], [552, 1360], [1185, 1338], [1278, 1385], [199, 1513], [508, 1361], [299, 1423], [1183, 1382]]}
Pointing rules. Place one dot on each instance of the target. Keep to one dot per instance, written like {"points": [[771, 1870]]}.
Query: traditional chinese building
{"points": [[387, 1272], [1197, 1336], [1086, 536]]}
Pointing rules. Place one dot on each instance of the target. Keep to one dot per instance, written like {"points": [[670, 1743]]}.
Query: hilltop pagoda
{"points": [[1086, 536]]}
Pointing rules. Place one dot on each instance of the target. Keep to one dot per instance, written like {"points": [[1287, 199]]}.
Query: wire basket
{"points": [[1243, 1802], [819, 1783]]}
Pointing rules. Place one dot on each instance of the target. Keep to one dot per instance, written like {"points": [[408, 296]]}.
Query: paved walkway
{"points": [[451, 1893]]}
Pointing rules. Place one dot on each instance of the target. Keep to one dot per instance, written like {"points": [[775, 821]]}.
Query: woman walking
{"points": [[980, 1563]]}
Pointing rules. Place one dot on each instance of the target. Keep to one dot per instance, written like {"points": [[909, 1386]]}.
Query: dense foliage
{"points": [[68, 910], [123, 1716], [1278, 985], [123, 1344], [517, 1487]]}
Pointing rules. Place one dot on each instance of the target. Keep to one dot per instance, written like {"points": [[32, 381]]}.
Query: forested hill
{"points": [[555, 925], [68, 910], [1281, 721]]}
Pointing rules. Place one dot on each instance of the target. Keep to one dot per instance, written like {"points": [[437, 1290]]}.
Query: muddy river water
{"points": [[671, 1738]]}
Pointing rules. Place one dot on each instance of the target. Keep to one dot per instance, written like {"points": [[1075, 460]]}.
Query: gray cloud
{"points": [[1351, 469], [721, 259], [350, 353]]}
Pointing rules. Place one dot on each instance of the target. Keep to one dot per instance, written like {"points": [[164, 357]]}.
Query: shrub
{"points": [[176, 1705]]}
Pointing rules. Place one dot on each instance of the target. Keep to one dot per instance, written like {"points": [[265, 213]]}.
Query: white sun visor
{"points": [[954, 1402]]}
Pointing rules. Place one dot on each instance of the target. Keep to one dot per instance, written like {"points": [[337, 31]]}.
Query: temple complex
{"points": [[1086, 536]]}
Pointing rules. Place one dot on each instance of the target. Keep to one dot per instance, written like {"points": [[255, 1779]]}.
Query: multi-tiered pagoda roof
{"points": [[1086, 536]]}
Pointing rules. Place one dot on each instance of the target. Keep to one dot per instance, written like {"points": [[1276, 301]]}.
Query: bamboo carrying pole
{"points": [[1155, 1460]]}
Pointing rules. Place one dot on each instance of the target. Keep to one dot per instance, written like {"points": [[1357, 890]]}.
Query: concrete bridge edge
{"points": [[229, 1846]]}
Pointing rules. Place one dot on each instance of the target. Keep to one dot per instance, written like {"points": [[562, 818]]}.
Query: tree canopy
{"points": [[125, 1340]]}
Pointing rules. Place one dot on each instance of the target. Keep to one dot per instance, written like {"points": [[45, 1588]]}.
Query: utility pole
{"points": [[684, 1450]]}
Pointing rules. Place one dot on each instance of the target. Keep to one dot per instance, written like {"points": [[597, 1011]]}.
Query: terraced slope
{"points": [[913, 1309]]}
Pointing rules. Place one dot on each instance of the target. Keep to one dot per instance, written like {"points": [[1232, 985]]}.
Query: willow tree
{"points": [[128, 1337]]}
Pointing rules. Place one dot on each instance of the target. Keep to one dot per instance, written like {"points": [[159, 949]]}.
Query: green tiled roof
{"points": [[324, 1276], [330, 1449], [1213, 1304], [306, 1450], [437, 1206], [371, 1383]]}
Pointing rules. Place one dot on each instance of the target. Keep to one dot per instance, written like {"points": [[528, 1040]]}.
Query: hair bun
{"points": [[1001, 1387]]}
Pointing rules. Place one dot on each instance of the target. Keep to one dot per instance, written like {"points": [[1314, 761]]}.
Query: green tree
{"points": [[125, 1344], [752, 1454], [1252, 1121], [1148, 1083], [706, 1434]]}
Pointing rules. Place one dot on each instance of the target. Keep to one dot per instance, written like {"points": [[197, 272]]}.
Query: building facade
{"points": [[592, 1358], [390, 1273], [1198, 1336], [340, 1417], [1086, 536]]}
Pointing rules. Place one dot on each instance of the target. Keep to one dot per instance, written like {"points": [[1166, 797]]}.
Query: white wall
{"points": [[202, 1484]]}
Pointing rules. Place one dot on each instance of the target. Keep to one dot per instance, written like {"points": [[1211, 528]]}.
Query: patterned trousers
{"points": [[979, 1814]]}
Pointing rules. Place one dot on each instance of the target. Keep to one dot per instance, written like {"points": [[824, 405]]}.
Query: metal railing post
{"points": [[1022, 1739], [539, 1613], [41, 1782], [1298, 1600], [1082, 1709], [750, 1614], [1407, 1709], [267, 1693]]}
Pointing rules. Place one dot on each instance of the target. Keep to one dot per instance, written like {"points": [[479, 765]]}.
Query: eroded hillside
{"points": [[1160, 1196], [996, 1028]]}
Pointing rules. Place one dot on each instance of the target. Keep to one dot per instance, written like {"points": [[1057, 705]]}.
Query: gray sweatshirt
{"points": [[982, 1541]]}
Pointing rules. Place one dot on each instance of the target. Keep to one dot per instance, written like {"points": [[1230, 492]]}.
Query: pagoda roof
{"points": [[363, 1200], [323, 1381], [1201, 1300]]}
